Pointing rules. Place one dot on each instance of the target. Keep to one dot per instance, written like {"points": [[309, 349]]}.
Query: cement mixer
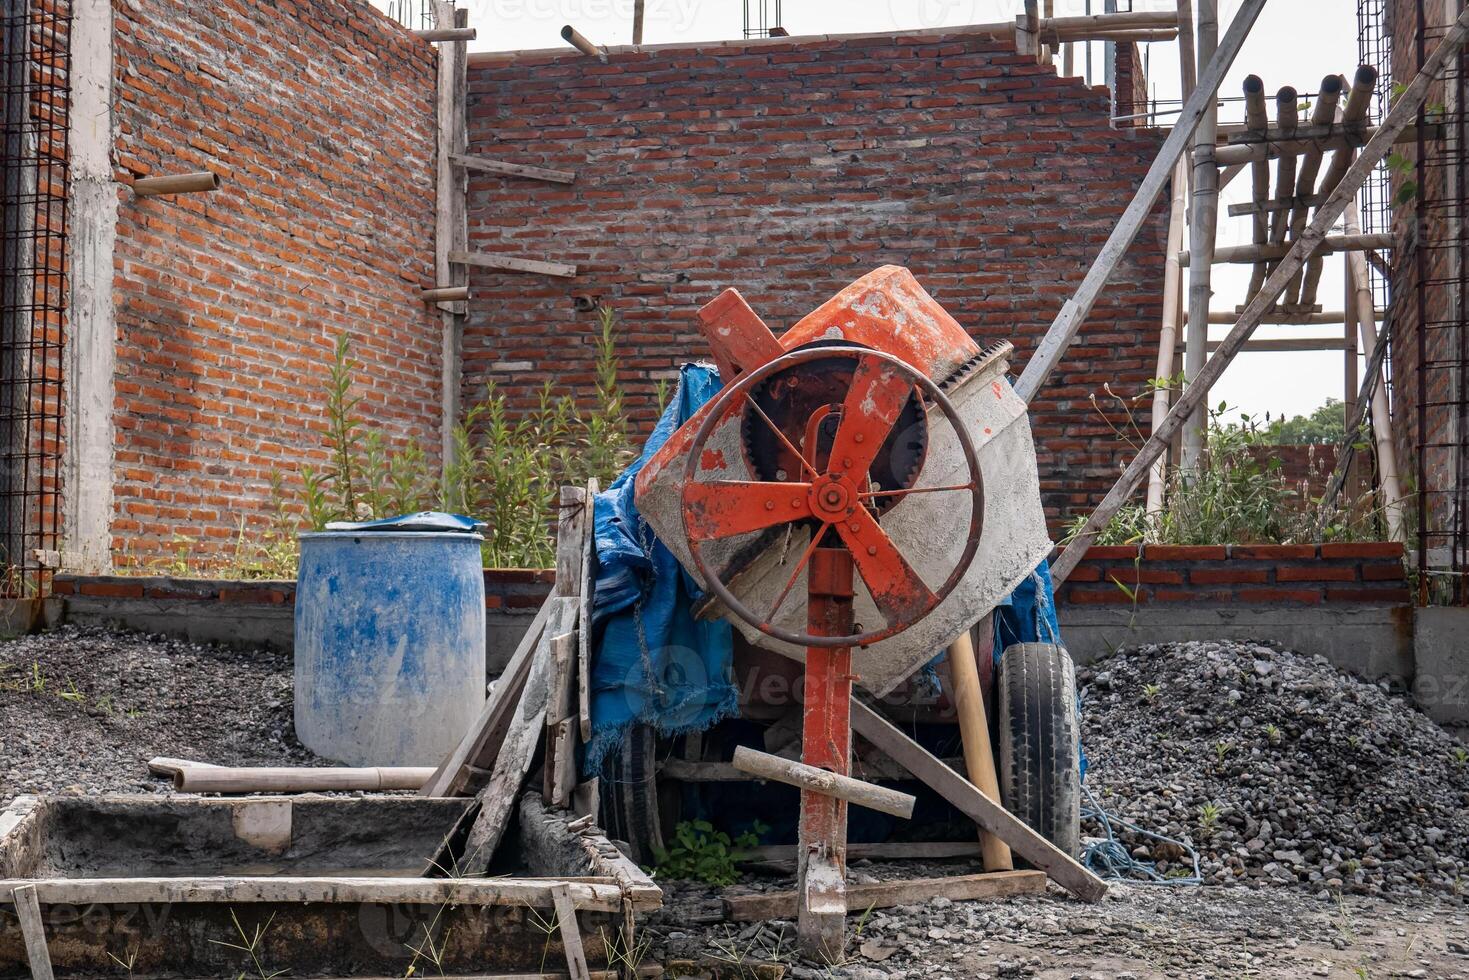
{"points": [[862, 492]]}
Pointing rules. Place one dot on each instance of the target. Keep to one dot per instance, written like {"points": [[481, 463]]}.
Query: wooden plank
{"points": [[503, 168], [33, 929], [890, 894], [1276, 204], [513, 263], [571, 522], [499, 796], [974, 732], [584, 615], [576, 956], [1061, 867], [1068, 322], [451, 215], [887, 851], [825, 782], [561, 735], [1404, 110], [600, 895], [482, 742]]}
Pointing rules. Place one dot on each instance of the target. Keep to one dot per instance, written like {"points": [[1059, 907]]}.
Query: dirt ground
{"points": [[1140, 932]]}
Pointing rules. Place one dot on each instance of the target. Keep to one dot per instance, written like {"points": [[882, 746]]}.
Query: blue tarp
{"points": [[652, 662]]}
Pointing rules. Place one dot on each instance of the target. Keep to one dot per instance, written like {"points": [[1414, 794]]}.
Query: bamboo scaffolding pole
{"points": [[1350, 378], [194, 183], [1068, 321], [1404, 109], [1257, 118], [637, 21], [447, 34], [1332, 318], [1203, 229], [823, 781], [577, 40], [1273, 148], [1168, 332], [1387, 457], [444, 294], [1352, 118], [1244, 254], [1187, 55], [1287, 117], [241, 779], [1324, 113]]}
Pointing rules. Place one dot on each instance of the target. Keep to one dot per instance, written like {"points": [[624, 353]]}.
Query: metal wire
{"points": [[416, 15], [35, 62]]}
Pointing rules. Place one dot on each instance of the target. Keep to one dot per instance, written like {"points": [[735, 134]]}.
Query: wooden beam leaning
{"points": [[1068, 321], [1404, 109], [501, 168], [479, 746], [1059, 866], [514, 263], [1353, 119], [33, 930], [766, 766], [890, 894]]}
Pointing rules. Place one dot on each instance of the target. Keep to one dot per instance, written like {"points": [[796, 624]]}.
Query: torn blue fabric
{"points": [[652, 661]]}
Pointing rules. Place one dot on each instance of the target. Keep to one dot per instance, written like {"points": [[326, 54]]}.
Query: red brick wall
{"points": [[1288, 574], [1427, 224], [319, 117], [791, 169], [1131, 97]]}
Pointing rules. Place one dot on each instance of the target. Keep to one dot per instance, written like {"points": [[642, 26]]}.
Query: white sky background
{"points": [[1295, 42]]}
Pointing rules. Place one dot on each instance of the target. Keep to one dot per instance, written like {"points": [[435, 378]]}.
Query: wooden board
{"points": [[890, 894], [599, 895], [513, 263], [571, 526], [486, 165], [887, 851], [991, 816], [498, 798], [479, 746], [33, 929], [561, 728], [584, 616], [576, 957]]}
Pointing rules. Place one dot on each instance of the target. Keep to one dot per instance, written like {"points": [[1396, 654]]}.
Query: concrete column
{"points": [[91, 330]]}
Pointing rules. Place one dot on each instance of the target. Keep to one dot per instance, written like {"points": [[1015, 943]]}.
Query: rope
{"points": [[1109, 858]]}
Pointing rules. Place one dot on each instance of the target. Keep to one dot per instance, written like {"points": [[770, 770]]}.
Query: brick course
{"points": [[789, 170], [1369, 573], [319, 117]]}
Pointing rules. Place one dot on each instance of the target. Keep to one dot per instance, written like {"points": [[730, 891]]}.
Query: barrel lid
{"points": [[427, 520]]}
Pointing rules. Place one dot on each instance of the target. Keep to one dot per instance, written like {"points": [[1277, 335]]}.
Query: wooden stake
{"points": [[1404, 109], [1068, 322], [451, 216], [203, 181], [637, 22], [33, 929], [763, 765], [576, 957], [974, 730]]}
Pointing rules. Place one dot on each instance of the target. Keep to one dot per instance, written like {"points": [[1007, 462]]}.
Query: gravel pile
{"points": [[83, 709], [1279, 768]]}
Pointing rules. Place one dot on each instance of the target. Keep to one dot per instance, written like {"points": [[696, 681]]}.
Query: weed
{"points": [[701, 853], [1208, 820], [546, 927], [1151, 692], [250, 945], [430, 949], [622, 956], [1273, 734], [71, 693], [1222, 749], [38, 679], [1461, 756], [126, 964]]}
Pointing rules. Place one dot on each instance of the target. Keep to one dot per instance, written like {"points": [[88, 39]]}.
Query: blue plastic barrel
{"points": [[390, 644]]}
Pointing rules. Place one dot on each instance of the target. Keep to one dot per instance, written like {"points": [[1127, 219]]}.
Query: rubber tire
{"points": [[629, 804], [1040, 741]]}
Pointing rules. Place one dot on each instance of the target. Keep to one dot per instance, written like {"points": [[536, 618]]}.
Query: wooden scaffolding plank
{"points": [[514, 263], [890, 894], [503, 168]]}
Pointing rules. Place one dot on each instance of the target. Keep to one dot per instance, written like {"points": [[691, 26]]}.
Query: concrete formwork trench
{"points": [[307, 885]]}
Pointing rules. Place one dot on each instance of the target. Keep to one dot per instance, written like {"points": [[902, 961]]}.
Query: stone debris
{"points": [[1280, 769], [83, 709]]}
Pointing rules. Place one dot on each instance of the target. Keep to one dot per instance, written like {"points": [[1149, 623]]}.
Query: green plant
{"points": [[1273, 734], [1208, 820], [1151, 692], [126, 964], [250, 945], [38, 679], [1222, 749], [701, 853], [1461, 756], [71, 693]]}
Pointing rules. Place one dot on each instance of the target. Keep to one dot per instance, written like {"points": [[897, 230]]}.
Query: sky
{"points": [[1295, 42]]}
